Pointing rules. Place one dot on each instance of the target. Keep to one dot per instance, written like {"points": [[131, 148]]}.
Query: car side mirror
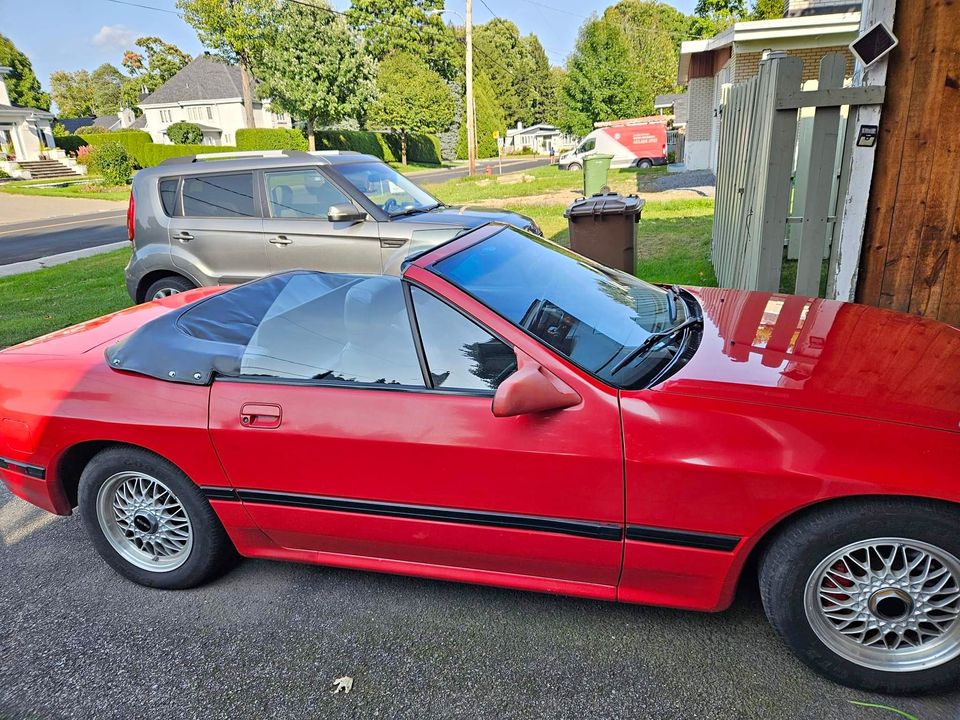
{"points": [[532, 389], [345, 212]]}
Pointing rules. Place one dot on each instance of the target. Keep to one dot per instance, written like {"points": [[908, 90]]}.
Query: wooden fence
{"points": [[765, 182]]}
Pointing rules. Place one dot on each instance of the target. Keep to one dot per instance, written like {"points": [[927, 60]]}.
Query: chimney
{"points": [[4, 96], [519, 125], [127, 117]]}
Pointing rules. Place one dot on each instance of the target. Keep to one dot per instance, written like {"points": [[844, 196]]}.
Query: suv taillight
{"points": [[131, 210]]}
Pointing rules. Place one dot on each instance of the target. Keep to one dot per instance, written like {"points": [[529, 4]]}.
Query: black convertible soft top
{"points": [[210, 336]]}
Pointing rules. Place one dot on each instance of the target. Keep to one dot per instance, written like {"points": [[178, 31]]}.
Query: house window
{"points": [[209, 113]]}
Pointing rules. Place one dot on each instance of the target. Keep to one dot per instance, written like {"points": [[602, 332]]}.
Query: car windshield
{"points": [[395, 194], [593, 315]]}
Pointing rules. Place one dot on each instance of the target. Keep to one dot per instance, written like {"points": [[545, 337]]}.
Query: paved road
{"points": [[267, 640], [51, 236], [438, 176]]}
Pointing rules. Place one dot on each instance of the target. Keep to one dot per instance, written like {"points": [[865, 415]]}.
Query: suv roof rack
{"points": [[240, 154]]}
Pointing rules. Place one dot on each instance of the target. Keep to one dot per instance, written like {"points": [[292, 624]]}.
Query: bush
{"points": [[270, 139], [71, 144], [90, 130], [59, 130], [84, 154], [112, 161], [185, 133], [386, 146]]}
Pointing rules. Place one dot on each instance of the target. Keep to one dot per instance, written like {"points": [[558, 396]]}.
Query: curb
{"points": [[18, 268]]}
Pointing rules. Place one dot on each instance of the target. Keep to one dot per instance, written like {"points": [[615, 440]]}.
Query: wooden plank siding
{"points": [[911, 251]]}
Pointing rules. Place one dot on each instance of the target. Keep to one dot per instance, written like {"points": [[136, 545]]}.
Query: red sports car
{"points": [[507, 412]]}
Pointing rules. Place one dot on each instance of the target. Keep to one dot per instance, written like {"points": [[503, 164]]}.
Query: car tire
{"points": [[879, 570], [574, 166], [644, 164], [150, 522], [170, 285]]}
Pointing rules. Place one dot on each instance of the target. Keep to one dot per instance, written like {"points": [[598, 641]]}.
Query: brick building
{"points": [[811, 29]]}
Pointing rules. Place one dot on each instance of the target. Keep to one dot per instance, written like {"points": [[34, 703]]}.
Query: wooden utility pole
{"points": [[471, 109]]}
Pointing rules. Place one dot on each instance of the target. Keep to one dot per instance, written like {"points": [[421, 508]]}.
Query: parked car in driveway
{"points": [[506, 412], [226, 218]]}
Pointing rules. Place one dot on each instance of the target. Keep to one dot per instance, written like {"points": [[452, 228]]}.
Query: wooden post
{"points": [[823, 152]]}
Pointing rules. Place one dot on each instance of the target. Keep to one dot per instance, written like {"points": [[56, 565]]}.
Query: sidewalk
{"points": [[31, 208]]}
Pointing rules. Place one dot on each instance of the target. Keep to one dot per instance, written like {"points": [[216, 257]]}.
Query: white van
{"points": [[632, 144]]}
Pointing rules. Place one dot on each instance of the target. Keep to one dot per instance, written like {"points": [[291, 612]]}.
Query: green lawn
{"points": [[91, 190], [547, 179], [46, 300]]}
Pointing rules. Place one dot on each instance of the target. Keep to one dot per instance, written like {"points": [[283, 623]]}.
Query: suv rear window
{"points": [[168, 195], [219, 196]]}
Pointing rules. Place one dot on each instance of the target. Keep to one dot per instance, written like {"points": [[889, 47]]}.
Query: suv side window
{"points": [[219, 196], [302, 193], [168, 195], [460, 354]]}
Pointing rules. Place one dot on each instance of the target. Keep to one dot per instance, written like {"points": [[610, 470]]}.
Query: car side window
{"points": [[168, 195], [460, 354], [219, 196], [336, 328], [304, 193]]}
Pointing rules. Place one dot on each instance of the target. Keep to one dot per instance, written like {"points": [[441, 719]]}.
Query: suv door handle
{"points": [[183, 236], [392, 243], [280, 240], [255, 415]]}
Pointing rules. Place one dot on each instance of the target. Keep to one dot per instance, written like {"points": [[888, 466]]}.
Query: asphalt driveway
{"points": [[267, 640]]}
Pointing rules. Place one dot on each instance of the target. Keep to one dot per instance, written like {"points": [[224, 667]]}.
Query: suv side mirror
{"points": [[532, 389], [345, 212]]}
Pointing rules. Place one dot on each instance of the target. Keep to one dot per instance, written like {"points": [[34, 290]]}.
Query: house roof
{"points": [[21, 110], [204, 78], [781, 34], [73, 124], [539, 128]]}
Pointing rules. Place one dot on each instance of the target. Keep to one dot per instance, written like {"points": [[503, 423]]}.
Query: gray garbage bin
{"points": [[603, 227]]}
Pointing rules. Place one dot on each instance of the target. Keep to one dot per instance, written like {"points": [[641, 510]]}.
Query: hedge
{"points": [[386, 146], [154, 154], [134, 141], [69, 143], [270, 139]]}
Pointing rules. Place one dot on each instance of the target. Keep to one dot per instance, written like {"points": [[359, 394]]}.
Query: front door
{"points": [[353, 438], [217, 229], [298, 234]]}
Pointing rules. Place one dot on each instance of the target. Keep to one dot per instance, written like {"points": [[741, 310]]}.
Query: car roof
{"points": [[254, 160]]}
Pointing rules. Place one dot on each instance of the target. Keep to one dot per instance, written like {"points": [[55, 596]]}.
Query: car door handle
{"points": [[183, 236], [255, 415], [280, 240], [393, 243]]}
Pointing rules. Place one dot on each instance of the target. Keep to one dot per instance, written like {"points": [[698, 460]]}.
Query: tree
{"points": [[316, 69], [155, 63], [715, 16], [22, 84], [489, 118], [768, 9], [540, 96], [553, 108], [73, 93], [185, 133], [654, 31], [107, 89], [412, 98], [603, 81], [239, 30], [408, 26], [504, 58]]}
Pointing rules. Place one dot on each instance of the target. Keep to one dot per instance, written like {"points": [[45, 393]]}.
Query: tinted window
{"points": [[393, 192], [460, 353], [592, 314], [219, 196], [301, 194], [168, 195], [335, 328]]}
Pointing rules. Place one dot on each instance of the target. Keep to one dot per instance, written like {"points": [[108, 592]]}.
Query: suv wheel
{"points": [[170, 285]]}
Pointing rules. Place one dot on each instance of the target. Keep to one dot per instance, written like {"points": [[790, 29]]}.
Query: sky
{"points": [[65, 35]]}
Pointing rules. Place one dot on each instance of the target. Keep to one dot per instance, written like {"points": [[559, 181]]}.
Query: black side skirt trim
{"points": [[34, 471], [685, 538], [578, 528]]}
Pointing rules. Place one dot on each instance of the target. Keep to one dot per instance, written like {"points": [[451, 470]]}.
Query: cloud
{"points": [[114, 36]]}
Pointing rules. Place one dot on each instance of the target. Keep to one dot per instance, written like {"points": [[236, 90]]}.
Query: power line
{"points": [[147, 7]]}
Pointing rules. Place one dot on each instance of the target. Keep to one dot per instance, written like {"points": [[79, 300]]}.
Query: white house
{"points": [[812, 29], [207, 92], [540, 138], [23, 130]]}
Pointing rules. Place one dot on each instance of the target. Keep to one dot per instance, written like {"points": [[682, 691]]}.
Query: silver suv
{"points": [[225, 218]]}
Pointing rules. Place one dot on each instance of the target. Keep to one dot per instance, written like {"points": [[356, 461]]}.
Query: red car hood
{"points": [[87, 335], [825, 356]]}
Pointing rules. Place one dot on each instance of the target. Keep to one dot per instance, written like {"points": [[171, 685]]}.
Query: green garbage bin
{"points": [[595, 169]]}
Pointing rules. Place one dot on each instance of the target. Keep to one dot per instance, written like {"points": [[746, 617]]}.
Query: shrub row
{"points": [[270, 139], [145, 153]]}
